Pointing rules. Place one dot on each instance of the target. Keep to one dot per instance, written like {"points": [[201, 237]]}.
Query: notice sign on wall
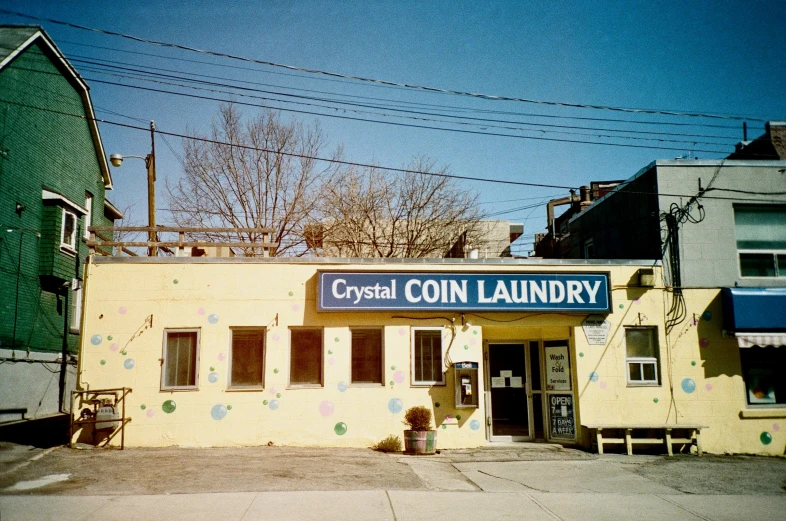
{"points": [[557, 369], [557, 292], [563, 423], [596, 329]]}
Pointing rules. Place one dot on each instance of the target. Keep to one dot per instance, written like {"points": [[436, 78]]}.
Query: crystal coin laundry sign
{"points": [[559, 292]]}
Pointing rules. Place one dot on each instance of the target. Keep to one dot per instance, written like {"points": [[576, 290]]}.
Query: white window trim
{"points": [[641, 361], [88, 216], [76, 296], [237, 387], [69, 248], [382, 357], [774, 254], [426, 383], [296, 385], [196, 363]]}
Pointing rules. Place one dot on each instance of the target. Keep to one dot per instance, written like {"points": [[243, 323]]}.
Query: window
{"points": [[641, 355], [762, 370], [247, 358], [68, 231], [305, 357], [427, 356], [761, 240], [88, 215], [76, 305], [589, 249], [367, 356], [181, 359]]}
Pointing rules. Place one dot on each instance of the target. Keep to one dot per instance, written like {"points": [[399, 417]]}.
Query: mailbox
{"points": [[465, 376]]}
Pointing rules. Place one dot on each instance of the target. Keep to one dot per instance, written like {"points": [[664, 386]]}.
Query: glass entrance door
{"points": [[509, 389]]}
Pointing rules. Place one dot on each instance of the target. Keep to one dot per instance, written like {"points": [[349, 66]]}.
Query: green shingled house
{"points": [[53, 179]]}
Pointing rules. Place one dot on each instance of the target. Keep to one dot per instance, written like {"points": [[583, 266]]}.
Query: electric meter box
{"points": [[465, 376]]}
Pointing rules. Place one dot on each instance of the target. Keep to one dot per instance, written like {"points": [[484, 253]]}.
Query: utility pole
{"points": [[150, 160]]}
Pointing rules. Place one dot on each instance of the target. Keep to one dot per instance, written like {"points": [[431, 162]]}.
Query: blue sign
{"points": [[558, 292]]}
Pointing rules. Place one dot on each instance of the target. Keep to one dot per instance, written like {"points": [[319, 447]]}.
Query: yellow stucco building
{"points": [[238, 351]]}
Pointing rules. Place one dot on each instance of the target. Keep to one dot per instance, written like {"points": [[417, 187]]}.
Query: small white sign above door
{"points": [[596, 329]]}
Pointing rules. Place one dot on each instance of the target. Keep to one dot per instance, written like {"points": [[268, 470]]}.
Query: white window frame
{"points": [[642, 361], [381, 357], [246, 387], [589, 244], [298, 385], [421, 383], [76, 301], [774, 253], [88, 216], [165, 387], [64, 245]]}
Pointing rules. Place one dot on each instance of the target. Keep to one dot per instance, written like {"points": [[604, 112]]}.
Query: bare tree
{"points": [[259, 173], [372, 213]]}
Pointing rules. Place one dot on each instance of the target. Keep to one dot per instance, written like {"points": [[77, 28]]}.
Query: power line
{"points": [[378, 81]]}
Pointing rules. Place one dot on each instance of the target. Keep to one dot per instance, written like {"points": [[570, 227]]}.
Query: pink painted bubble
{"points": [[472, 341], [603, 385], [272, 390], [122, 310], [398, 377], [295, 307], [402, 331], [332, 361], [326, 408], [150, 413], [708, 387], [221, 357], [636, 301], [704, 342], [776, 427], [201, 311], [276, 337], [113, 347]]}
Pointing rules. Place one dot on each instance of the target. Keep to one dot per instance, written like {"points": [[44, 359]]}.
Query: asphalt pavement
{"points": [[517, 481]]}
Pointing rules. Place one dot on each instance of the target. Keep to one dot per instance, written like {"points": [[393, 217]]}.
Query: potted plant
{"points": [[419, 438]]}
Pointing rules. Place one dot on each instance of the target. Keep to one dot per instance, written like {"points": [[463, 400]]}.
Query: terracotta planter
{"points": [[420, 442]]}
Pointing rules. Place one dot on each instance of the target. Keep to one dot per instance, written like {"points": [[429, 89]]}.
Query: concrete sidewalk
{"points": [[393, 505]]}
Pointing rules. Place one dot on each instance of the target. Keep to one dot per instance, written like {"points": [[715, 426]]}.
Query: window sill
{"points": [[428, 384], [68, 250], [775, 412], [366, 384], [237, 389], [179, 389], [305, 386], [643, 384]]}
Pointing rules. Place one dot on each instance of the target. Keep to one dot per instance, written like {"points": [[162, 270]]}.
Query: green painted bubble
{"points": [[392, 383], [766, 438], [212, 368], [581, 355], [103, 362], [622, 306], [336, 339], [340, 428], [291, 293], [109, 337], [175, 281], [436, 404], [143, 406], [655, 400], [693, 362], [264, 402], [330, 352], [458, 417], [466, 346], [278, 395], [474, 332], [169, 406], [444, 427], [229, 407], [275, 370], [392, 367], [124, 352]]}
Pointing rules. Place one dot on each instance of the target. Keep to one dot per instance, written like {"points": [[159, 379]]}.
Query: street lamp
{"points": [[150, 163]]}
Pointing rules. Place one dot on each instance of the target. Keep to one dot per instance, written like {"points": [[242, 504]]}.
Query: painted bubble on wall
{"points": [[603, 385], [272, 390], [129, 363], [472, 341], [221, 357], [688, 385], [213, 319], [708, 387], [594, 376], [398, 377], [169, 406], [395, 405], [402, 331], [581, 355], [109, 337], [706, 316], [143, 406], [326, 408], [466, 347], [444, 427], [175, 281], [122, 310], [264, 402], [150, 413], [458, 417], [103, 362], [276, 337], [437, 404], [275, 370], [219, 411], [212, 378], [295, 307], [776, 427], [341, 386], [331, 361], [113, 347], [655, 400], [201, 311], [340, 428], [766, 438], [96, 339], [693, 363], [474, 425], [704, 342], [273, 405]]}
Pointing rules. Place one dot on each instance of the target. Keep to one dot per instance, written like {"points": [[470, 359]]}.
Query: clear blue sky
{"points": [[709, 57]]}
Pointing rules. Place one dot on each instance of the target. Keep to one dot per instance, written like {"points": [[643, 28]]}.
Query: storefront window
{"points": [[305, 358], [181, 355], [367, 356], [761, 240], [763, 369], [427, 356], [641, 355], [247, 358]]}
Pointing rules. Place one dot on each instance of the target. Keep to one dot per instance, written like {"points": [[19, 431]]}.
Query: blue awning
{"points": [[754, 309]]}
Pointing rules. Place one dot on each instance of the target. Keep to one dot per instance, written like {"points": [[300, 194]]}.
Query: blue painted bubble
{"points": [[593, 376], [341, 386], [474, 425], [212, 378], [129, 363], [213, 319], [688, 385], [706, 316], [218, 411], [96, 339], [273, 405], [395, 405]]}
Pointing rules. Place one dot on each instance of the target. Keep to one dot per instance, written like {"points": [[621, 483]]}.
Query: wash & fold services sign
{"points": [[413, 291]]}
